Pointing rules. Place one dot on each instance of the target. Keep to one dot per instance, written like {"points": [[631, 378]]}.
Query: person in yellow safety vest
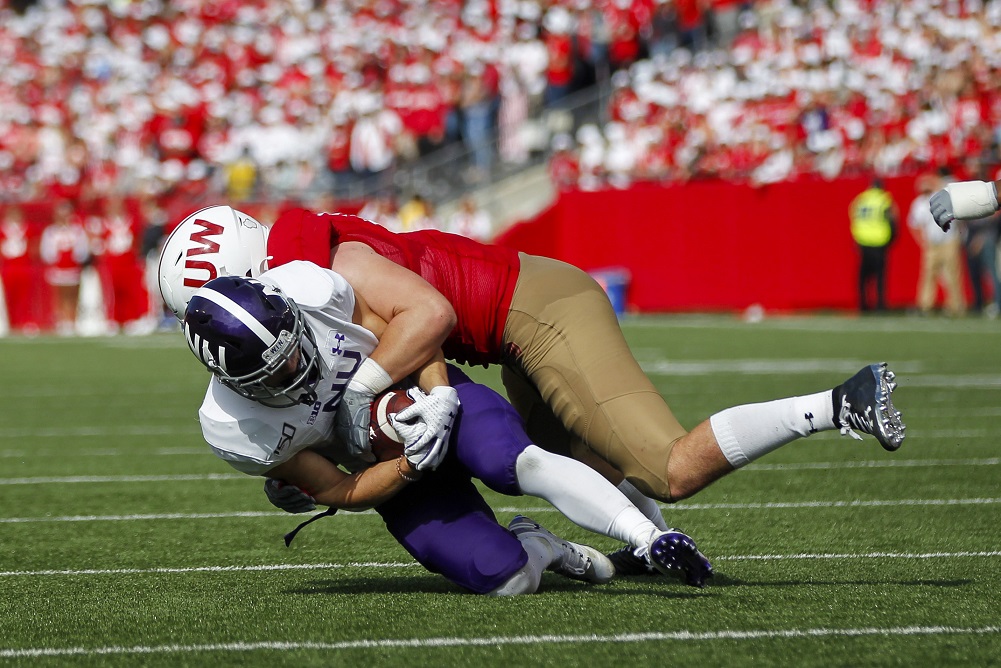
{"points": [[874, 216]]}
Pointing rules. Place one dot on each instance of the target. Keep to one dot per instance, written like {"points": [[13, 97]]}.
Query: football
{"points": [[385, 442]]}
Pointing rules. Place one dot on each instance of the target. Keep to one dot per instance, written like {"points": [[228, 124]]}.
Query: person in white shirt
{"points": [[941, 253], [470, 221]]}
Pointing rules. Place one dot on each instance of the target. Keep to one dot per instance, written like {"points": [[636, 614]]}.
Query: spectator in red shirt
{"points": [[64, 248], [564, 168], [116, 235], [559, 45], [18, 271]]}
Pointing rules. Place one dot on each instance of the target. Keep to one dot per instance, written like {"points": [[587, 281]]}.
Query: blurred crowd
{"points": [[261, 98], [810, 89], [171, 103], [91, 267], [264, 97]]}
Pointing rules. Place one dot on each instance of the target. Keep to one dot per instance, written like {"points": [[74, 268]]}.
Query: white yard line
{"points": [[493, 641], [874, 464], [908, 373], [987, 554], [766, 367], [773, 505], [64, 480], [84, 431], [103, 452], [864, 464]]}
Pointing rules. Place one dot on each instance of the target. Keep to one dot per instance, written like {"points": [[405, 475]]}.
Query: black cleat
{"points": [[627, 563], [863, 402]]}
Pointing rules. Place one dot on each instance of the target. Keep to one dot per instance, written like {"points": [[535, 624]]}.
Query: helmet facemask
{"points": [[255, 340], [299, 387]]}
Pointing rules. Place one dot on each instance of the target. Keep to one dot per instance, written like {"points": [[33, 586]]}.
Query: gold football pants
{"points": [[570, 374]]}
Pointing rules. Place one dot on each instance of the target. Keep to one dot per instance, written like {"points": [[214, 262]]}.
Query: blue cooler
{"points": [[615, 282]]}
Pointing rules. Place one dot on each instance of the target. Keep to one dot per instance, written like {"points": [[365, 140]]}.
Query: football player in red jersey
{"points": [[566, 365]]}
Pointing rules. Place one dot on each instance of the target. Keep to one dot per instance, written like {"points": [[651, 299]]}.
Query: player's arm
{"points": [[432, 374], [418, 318], [964, 200], [331, 486], [411, 319]]}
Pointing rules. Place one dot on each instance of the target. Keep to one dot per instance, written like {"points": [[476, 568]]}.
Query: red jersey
{"points": [[477, 279]]}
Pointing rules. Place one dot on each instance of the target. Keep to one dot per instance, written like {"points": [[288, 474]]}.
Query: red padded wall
{"points": [[717, 246]]}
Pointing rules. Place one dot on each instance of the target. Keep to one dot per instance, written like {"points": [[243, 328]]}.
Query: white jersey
{"points": [[254, 438]]}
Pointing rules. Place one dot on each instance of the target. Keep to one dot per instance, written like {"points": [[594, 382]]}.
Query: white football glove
{"points": [[288, 497], [965, 200], [355, 409], [426, 426]]}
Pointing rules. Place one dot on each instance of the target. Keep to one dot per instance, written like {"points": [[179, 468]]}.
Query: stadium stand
{"points": [[265, 102]]}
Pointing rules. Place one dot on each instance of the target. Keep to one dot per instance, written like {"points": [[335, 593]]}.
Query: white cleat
{"points": [[576, 561]]}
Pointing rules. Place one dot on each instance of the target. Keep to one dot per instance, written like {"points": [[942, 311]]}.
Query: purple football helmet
{"points": [[247, 332]]}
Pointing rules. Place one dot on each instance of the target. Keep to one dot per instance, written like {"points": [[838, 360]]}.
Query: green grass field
{"points": [[124, 542]]}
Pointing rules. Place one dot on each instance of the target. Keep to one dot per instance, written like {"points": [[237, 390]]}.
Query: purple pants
{"points": [[443, 521]]}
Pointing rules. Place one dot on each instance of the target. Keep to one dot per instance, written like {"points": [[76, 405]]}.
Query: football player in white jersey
{"points": [[283, 347]]}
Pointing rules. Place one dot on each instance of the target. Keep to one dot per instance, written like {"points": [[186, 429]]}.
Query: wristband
{"points": [[370, 377], [972, 199], [405, 476]]}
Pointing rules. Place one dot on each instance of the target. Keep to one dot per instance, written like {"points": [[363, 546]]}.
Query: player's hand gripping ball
{"points": [[386, 443]]}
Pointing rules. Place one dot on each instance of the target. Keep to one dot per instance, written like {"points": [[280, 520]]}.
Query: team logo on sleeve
{"points": [[288, 432]]}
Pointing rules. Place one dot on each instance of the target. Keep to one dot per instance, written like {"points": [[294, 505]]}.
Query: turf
{"points": [[124, 542]]}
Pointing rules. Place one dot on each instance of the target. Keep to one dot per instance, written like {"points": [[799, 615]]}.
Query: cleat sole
{"points": [[674, 553]]}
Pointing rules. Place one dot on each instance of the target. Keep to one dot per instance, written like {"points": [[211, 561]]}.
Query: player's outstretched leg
{"points": [[572, 560], [863, 402]]}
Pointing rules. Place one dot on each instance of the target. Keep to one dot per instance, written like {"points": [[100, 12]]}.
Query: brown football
{"points": [[386, 443]]}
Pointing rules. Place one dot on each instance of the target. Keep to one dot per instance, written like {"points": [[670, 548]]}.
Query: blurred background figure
{"points": [[564, 165], [241, 177], [470, 220], [874, 216], [64, 249], [478, 103], [980, 244], [155, 222], [941, 253], [382, 210], [17, 271], [372, 149], [416, 213], [116, 246]]}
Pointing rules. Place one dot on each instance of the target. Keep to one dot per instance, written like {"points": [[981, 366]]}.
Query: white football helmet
{"points": [[213, 242]]}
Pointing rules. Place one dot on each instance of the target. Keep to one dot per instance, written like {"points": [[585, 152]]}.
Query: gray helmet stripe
{"points": [[241, 314]]}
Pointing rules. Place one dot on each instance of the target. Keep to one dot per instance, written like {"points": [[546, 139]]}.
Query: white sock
{"points": [[583, 495], [646, 505], [747, 432]]}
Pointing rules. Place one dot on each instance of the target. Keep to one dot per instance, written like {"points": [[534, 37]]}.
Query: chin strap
{"points": [[290, 536]]}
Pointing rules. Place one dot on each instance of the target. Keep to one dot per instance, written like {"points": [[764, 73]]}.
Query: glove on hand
{"points": [[966, 200], [941, 209], [352, 420], [288, 497], [355, 409], [427, 425]]}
